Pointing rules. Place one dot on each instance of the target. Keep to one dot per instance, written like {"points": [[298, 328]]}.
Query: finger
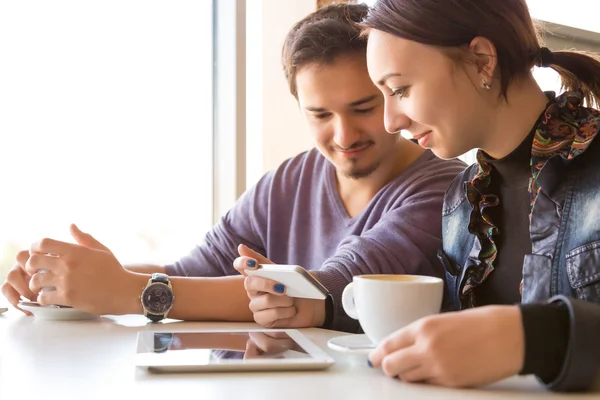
{"points": [[267, 301], [22, 258], [290, 322], [246, 251], [241, 264], [418, 374], [396, 341], [52, 297], [13, 297], [271, 318], [51, 246], [255, 285], [39, 262], [402, 361], [86, 240], [18, 279], [439, 382], [41, 280]]}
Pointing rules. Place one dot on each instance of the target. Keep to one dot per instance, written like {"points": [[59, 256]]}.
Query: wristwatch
{"points": [[157, 297]]}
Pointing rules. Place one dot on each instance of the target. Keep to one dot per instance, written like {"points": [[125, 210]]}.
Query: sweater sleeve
{"points": [[215, 256]]}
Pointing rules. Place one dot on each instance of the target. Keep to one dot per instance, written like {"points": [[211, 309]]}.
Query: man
{"points": [[364, 201]]}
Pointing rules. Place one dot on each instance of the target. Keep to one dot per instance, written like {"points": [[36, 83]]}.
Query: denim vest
{"points": [[564, 231]]}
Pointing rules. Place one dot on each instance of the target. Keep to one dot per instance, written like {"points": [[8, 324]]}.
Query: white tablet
{"points": [[231, 350]]}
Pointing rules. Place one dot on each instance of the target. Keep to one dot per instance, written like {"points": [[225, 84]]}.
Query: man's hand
{"points": [[460, 349], [84, 275], [268, 302], [17, 282]]}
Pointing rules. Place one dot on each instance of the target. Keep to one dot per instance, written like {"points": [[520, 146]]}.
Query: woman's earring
{"points": [[485, 84]]}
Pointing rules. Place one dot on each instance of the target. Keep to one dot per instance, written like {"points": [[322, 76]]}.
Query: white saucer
{"points": [[54, 313], [355, 344]]}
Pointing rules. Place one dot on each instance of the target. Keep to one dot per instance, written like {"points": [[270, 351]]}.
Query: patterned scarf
{"points": [[566, 129]]}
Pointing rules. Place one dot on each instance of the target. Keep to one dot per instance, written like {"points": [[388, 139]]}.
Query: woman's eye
{"points": [[400, 92]]}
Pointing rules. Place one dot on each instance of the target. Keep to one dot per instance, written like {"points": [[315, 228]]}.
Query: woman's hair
{"points": [[322, 37], [506, 23]]}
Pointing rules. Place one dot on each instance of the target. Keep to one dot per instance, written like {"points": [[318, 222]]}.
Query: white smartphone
{"points": [[298, 282]]}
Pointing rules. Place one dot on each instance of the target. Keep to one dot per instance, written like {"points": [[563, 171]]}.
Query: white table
{"points": [[46, 360]]}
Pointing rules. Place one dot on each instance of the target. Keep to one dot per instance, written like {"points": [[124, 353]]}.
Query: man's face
{"points": [[344, 112]]}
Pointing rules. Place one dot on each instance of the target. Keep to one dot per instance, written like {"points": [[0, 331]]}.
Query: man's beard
{"points": [[356, 173]]}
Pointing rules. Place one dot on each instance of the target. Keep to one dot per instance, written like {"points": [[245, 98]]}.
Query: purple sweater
{"points": [[294, 215]]}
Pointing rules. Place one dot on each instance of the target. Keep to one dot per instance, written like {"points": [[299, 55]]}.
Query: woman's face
{"points": [[427, 93]]}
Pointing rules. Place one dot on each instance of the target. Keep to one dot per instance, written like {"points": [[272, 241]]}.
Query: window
{"points": [[106, 121], [564, 28]]}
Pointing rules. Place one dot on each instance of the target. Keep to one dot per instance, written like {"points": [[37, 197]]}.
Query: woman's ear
{"points": [[484, 56]]}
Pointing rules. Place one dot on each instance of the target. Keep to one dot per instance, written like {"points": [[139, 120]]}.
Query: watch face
{"points": [[157, 298]]}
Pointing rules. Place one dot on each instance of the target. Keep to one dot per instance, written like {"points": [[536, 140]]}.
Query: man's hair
{"points": [[322, 37]]}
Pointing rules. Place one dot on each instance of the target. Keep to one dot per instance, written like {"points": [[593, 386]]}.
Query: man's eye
{"points": [[322, 116], [364, 110]]}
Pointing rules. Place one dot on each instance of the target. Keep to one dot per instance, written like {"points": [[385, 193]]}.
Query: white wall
{"points": [[275, 129]]}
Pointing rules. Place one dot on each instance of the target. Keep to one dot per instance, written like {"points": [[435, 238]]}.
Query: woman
{"points": [[521, 225]]}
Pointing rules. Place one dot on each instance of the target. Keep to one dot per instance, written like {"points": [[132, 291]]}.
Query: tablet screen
{"points": [[216, 347]]}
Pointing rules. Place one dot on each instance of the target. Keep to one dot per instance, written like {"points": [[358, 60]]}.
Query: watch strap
{"points": [[162, 278], [155, 317]]}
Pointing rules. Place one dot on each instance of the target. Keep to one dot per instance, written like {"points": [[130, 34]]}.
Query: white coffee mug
{"points": [[385, 303]]}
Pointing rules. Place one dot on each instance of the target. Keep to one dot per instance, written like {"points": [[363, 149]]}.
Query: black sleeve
{"points": [[580, 369], [546, 328]]}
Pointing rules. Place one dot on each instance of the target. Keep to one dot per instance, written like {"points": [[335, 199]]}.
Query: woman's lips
{"points": [[423, 138]]}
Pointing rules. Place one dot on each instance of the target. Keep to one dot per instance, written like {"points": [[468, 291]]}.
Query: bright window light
{"points": [[105, 121]]}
